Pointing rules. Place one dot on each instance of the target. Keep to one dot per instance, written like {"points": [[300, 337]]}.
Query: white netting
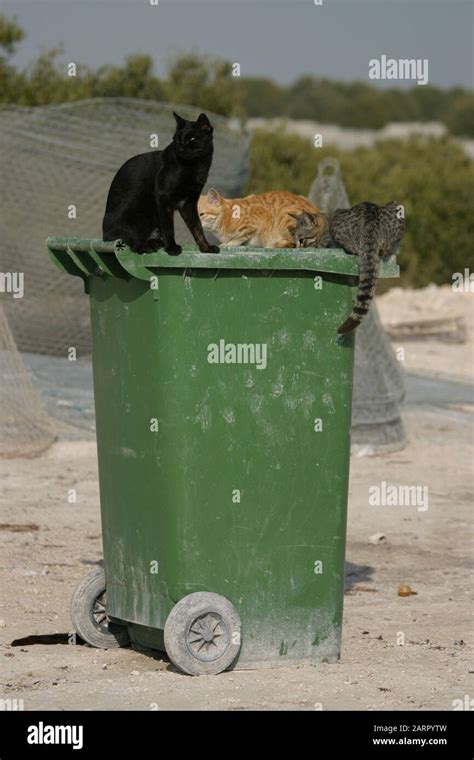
{"points": [[25, 427], [56, 156], [52, 157]]}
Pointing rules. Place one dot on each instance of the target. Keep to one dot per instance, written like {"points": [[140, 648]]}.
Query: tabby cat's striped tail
{"points": [[365, 294]]}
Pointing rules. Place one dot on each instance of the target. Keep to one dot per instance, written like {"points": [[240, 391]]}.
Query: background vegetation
{"points": [[434, 179], [200, 80]]}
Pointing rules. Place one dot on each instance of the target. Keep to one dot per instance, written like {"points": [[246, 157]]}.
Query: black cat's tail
{"points": [[365, 294]]}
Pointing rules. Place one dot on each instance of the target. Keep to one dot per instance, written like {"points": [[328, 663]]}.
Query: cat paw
{"points": [[120, 245], [209, 249], [151, 246], [174, 250]]}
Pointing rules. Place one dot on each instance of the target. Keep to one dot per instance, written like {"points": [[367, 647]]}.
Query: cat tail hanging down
{"points": [[365, 294]]}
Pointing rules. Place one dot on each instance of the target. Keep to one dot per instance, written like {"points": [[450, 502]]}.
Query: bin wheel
{"points": [[202, 634], [89, 614]]}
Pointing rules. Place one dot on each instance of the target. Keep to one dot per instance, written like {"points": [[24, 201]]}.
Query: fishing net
{"points": [[57, 163], [25, 427]]}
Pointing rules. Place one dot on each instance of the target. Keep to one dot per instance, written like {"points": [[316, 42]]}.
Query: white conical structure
{"points": [[25, 428]]}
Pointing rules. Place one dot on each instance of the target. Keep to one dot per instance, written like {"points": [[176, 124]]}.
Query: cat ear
{"points": [[204, 122], [180, 122], [213, 196], [295, 216]]}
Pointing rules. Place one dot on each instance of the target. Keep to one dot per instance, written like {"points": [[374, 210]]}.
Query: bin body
{"points": [[223, 409]]}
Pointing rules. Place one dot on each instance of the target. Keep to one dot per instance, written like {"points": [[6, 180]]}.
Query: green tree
{"points": [[399, 105], [46, 81], [460, 117], [318, 99], [364, 107], [134, 80], [262, 97], [208, 83], [10, 35], [205, 82], [10, 80]]}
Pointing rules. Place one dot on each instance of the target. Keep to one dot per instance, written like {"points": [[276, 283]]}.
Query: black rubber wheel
{"points": [[89, 614], [202, 634]]}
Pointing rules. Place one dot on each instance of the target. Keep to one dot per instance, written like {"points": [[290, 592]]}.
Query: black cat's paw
{"points": [[174, 250], [209, 249], [120, 245], [151, 246]]}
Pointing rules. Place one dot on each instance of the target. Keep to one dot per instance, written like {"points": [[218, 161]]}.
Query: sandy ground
{"points": [[431, 551], [430, 356], [398, 652]]}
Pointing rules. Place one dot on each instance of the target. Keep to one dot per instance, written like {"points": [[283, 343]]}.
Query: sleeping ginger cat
{"points": [[264, 220]]}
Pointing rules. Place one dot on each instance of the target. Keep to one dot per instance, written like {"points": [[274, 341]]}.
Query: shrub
{"points": [[433, 178]]}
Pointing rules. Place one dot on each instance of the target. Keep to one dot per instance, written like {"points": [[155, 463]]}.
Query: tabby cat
{"points": [[262, 220], [366, 230], [311, 230]]}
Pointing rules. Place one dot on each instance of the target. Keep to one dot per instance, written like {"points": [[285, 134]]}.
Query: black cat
{"points": [[148, 188]]}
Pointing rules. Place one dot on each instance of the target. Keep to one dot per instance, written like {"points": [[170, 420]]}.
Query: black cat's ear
{"points": [[180, 122], [204, 122]]}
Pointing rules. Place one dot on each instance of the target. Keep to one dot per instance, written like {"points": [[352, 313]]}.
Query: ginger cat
{"points": [[263, 220]]}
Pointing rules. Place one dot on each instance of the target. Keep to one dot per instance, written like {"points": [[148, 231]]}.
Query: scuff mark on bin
{"points": [[269, 430], [249, 382], [282, 337], [309, 339], [130, 453], [256, 403], [228, 415], [291, 290], [307, 401], [327, 401], [319, 640], [203, 414]]}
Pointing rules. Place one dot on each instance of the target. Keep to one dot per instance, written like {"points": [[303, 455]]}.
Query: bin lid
{"points": [[84, 257]]}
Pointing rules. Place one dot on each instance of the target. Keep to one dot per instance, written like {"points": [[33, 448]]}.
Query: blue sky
{"points": [[280, 39]]}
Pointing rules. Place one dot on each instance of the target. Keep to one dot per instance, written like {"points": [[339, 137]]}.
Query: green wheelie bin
{"points": [[223, 413]]}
